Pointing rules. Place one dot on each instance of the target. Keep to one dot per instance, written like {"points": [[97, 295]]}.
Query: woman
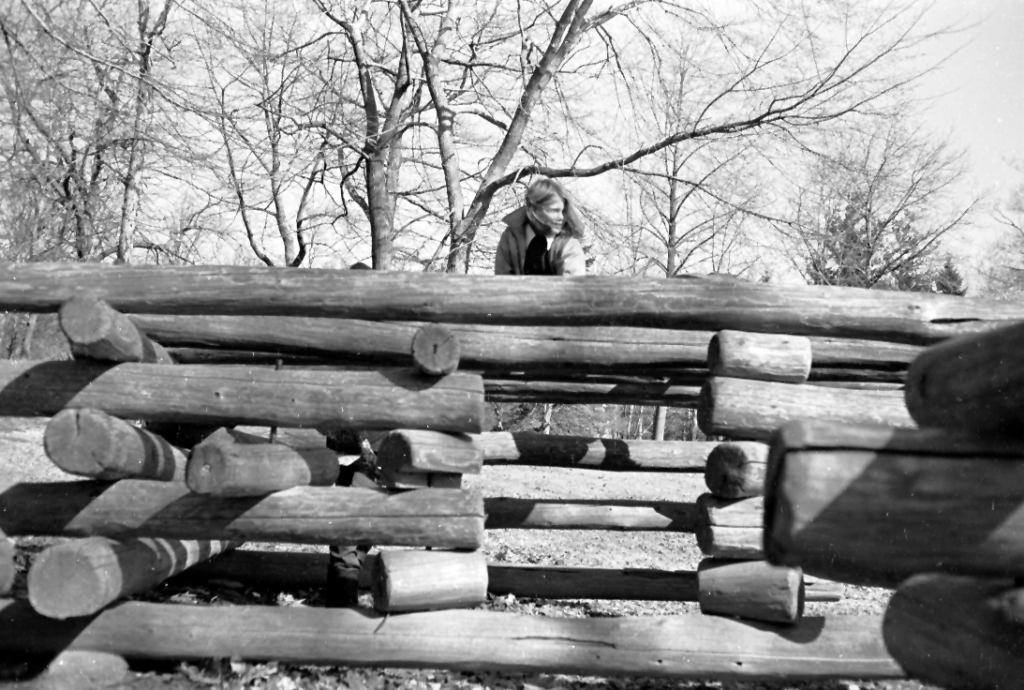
{"points": [[543, 237]]}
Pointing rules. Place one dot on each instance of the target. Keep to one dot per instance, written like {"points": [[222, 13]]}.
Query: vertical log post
{"points": [[750, 589], [428, 580], [760, 356], [7, 569], [91, 443], [78, 578]]}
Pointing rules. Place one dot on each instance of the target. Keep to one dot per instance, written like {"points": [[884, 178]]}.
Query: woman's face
{"points": [[549, 212]]}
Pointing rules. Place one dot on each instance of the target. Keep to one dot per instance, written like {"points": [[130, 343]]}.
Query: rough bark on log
{"points": [[583, 393], [97, 331], [753, 410], [881, 505], [551, 450], [685, 647], [219, 467], [754, 590], [737, 470], [391, 398], [528, 513], [93, 444], [941, 630], [7, 569], [428, 580], [973, 384], [435, 350], [760, 356], [303, 515], [512, 300], [416, 450], [80, 577]]}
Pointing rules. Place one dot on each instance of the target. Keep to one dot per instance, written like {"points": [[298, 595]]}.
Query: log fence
{"points": [[854, 492]]}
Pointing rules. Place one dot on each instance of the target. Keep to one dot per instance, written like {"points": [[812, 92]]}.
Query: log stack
{"points": [[934, 513]]}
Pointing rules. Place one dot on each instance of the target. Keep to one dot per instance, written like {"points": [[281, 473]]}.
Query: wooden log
{"points": [[737, 470], [941, 630], [80, 577], [740, 408], [435, 350], [392, 479], [487, 348], [552, 450], [584, 393], [912, 317], [303, 570], [197, 394], [226, 468], [730, 528], [754, 590], [75, 670], [684, 647], [416, 450], [739, 543], [974, 383], [91, 443], [760, 356], [96, 331], [7, 568], [874, 506], [428, 580], [303, 515], [527, 513]]}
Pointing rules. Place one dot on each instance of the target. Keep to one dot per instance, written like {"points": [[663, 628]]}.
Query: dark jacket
{"points": [[565, 253]]}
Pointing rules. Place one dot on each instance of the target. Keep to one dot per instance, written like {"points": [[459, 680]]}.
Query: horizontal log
{"points": [[392, 479], [303, 515], [435, 350], [739, 543], [76, 669], [97, 331], [416, 450], [754, 590], [428, 580], [391, 398], [974, 383], [740, 408], [80, 577], [744, 512], [941, 629], [219, 467], [91, 443], [878, 516], [553, 450], [585, 393], [760, 356], [304, 570], [737, 470], [684, 647], [912, 317], [527, 513]]}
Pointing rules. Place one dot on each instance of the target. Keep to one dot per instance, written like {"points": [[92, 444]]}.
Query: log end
{"points": [[435, 350], [69, 580], [82, 441]]}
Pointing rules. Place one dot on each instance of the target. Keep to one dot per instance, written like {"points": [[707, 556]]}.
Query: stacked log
{"points": [[80, 577], [7, 568]]}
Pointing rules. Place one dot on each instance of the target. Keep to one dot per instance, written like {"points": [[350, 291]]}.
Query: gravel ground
{"points": [[22, 459]]}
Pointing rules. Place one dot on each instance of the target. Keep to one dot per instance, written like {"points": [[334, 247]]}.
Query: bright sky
{"points": [[979, 99]]}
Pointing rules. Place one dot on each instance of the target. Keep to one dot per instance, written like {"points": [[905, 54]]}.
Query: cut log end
{"points": [[435, 350], [97, 331], [737, 470], [69, 582]]}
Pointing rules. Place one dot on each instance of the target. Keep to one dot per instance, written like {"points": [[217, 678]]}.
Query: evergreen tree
{"points": [[949, 281]]}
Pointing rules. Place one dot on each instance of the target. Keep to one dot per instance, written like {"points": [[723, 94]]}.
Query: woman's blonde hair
{"points": [[542, 190]]}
